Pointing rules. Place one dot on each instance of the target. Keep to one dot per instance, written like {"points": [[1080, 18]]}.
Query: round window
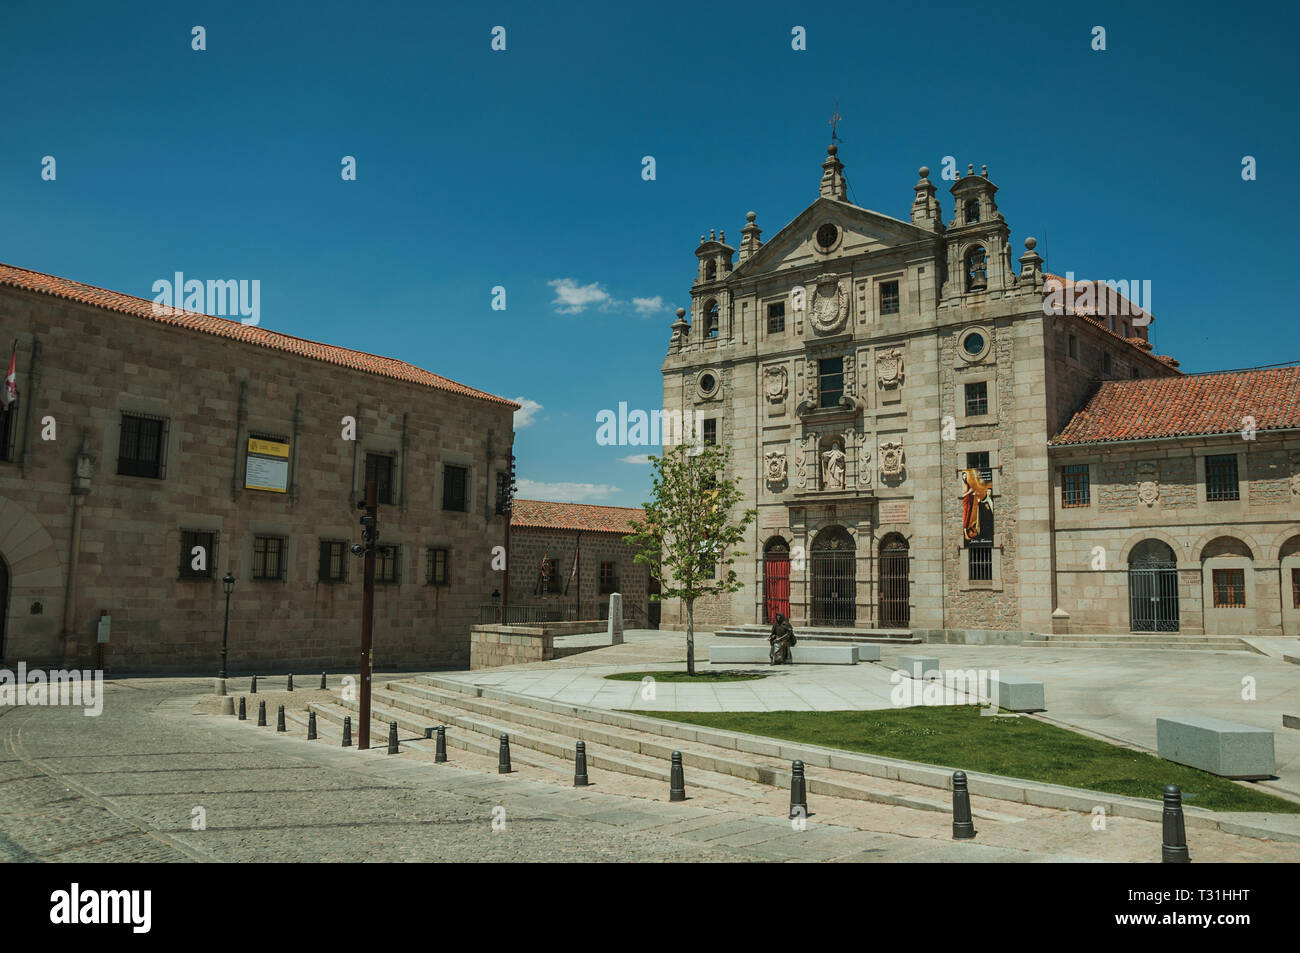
{"points": [[827, 234], [708, 383], [974, 343]]}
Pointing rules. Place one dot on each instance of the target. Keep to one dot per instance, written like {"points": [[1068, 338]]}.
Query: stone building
{"points": [[890, 390], [566, 559], [149, 454]]}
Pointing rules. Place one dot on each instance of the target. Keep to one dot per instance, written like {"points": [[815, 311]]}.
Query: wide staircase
{"points": [[824, 634], [543, 735], [1154, 640]]}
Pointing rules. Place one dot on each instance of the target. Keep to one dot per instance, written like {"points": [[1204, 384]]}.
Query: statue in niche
{"points": [[833, 467]]}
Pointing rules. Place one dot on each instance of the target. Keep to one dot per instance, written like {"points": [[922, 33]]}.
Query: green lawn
{"points": [[710, 676], [959, 737]]}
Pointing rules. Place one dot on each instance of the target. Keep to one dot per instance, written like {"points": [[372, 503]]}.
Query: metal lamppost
{"points": [[228, 585]]}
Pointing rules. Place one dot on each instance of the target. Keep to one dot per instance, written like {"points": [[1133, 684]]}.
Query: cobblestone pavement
{"points": [[126, 786]]}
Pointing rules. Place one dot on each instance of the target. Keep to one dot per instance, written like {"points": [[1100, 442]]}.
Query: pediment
{"points": [[860, 232]]}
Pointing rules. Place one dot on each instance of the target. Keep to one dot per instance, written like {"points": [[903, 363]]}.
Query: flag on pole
{"points": [[10, 392], [540, 586], [572, 572]]}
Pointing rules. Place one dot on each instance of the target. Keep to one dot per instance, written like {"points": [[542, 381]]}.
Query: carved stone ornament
{"points": [[891, 459], [1148, 487], [889, 367], [775, 382], [801, 467], [864, 458], [774, 467], [850, 376], [828, 309]]}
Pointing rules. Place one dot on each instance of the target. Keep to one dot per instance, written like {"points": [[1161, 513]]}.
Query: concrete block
{"points": [[1225, 748], [919, 666], [1020, 694], [867, 652]]}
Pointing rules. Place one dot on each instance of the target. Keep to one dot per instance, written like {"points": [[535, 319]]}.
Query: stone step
{"points": [[1229, 645], [811, 634]]}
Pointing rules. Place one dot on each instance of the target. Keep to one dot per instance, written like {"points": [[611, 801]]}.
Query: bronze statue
{"points": [[782, 640]]}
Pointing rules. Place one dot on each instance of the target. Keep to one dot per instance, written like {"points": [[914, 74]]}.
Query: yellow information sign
{"points": [[266, 466]]}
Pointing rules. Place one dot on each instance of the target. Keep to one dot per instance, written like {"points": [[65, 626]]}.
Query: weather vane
{"points": [[834, 121]]}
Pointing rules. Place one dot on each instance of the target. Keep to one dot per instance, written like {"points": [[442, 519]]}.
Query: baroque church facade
{"points": [[904, 413]]}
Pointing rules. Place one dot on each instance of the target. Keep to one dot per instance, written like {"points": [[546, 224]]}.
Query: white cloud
{"points": [[527, 412], [573, 298], [565, 492], [641, 458], [648, 305]]}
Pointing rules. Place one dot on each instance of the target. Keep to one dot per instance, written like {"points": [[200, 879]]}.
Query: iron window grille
{"points": [[1221, 477], [1075, 488], [190, 538], [977, 399], [889, 297], [776, 317], [141, 446], [388, 564], [379, 467], [980, 563], [269, 557], [455, 488], [830, 381], [1295, 588], [333, 565], [439, 566], [979, 460], [1229, 589], [711, 432]]}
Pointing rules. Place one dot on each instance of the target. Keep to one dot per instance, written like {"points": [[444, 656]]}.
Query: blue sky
{"points": [[523, 168]]}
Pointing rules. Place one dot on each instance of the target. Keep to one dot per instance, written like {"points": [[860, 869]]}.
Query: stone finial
{"points": [[923, 172], [970, 169], [751, 217], [680, 331], [713, 235], [1031, 265], [722, 237], [984, 171], [750, 242], [925, 207], [833, 185]]}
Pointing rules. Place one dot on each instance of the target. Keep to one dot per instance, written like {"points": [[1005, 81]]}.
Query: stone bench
{"points": [[919, 666], [1020, 694], [1225, 748], [867, 651], [801, 654]]}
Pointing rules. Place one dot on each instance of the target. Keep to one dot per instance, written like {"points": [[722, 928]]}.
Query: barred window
{"points": [[889, 297], [269, 557], [979, 460], [1075, 489], [455, 488], [198, 565], [1229, 588], [776, 317], [140, 446], [608, 578], [439, 572], [388, 561], [830, 374], [333, 565], [379, 467], [710, 431], [1295, 588], [1221, 477], [977, 399], [980, 563]]}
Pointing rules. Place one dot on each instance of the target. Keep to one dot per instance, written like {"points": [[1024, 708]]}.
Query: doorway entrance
{"points": [[895, 589], [776, 579], [833, 560]]}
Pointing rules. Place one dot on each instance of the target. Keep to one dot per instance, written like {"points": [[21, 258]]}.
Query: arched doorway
{"points": [[895, 589], [776, 579], [834, 578], [1153, 587]]}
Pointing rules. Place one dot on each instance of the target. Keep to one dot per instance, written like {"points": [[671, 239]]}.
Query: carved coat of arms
{"points": [[891, 459], [775, 381], [774, 467], [828, 309], [889, 367]]}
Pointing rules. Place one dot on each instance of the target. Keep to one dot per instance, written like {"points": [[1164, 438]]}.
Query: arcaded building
{"points": [[150, 454], [904, 398]]}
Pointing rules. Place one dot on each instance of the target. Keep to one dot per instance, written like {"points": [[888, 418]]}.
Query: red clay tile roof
{"points": [[1163, 407], [1096, 315], [224, 327], [543, 514]]}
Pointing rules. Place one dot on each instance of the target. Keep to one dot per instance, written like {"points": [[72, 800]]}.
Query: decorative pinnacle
{"points": [[750, 217], [924, 172]]}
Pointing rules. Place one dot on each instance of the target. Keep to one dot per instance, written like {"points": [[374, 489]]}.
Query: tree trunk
{"points": [[690, 636]]}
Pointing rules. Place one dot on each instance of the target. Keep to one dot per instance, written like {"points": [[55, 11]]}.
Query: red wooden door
{"points": [[776, 585]]}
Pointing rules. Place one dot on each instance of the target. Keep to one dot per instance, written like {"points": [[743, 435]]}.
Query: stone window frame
{"points": [[986, 376], [835, 246], [431, 576], [1227, 575], [1060, 495], [285, 556], [705, 393], [344, 546], [456, 458], [166, 436], [768, 304], [983, 353], [965, 583], [185, 574], [877, 281], [1072, 348], [393, 489], [396, 578], [1203, 475]]}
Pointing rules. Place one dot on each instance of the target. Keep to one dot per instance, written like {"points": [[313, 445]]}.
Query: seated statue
{"points": [[781, 639]]}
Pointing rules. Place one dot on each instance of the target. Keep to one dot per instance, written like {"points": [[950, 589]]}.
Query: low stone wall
{"points": [[491, 646]]}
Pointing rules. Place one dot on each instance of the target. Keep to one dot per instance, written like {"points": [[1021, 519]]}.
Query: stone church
{"points": [[934, 443]]}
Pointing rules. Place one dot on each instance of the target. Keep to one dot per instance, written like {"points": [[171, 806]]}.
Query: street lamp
{"points": [[228, 584]]}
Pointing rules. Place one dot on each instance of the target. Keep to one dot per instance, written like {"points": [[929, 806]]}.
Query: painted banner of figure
{"points": [[976, 509]]}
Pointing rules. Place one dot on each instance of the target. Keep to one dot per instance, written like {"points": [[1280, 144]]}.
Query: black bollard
{"points": [[347, 731], [428, 733], [322, 681], [279, 719], [580, 767], [963, 828], [243, 712], [392, 737], [798, 791], [252, 689], [440, 751], [677, 780], [290, 688], [261, 713], [311, 726], [1174, 848], [503, 759]]}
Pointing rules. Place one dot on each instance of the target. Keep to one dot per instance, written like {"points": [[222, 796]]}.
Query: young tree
{"points": [[688, 537]]}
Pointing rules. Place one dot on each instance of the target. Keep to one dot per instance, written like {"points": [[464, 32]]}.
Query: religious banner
{"points": [[976, 509], [266, 466]]}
